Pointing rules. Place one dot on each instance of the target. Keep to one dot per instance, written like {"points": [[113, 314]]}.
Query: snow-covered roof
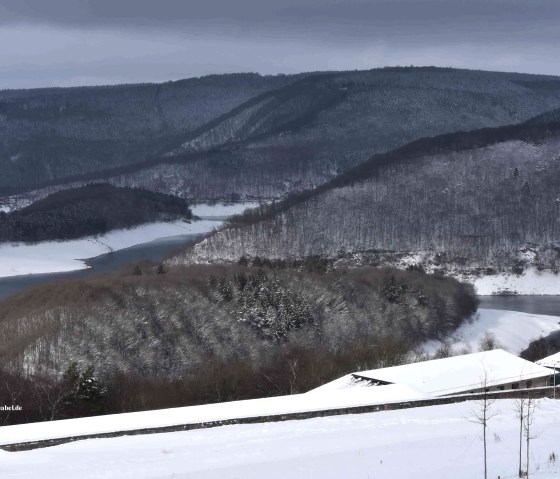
{"points": [[550, 361], [440, 377]]}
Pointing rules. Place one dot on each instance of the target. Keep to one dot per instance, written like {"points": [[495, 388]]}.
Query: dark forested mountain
{"points": [[51, 134], [247, 136], [487, 198], [552, 116], [89, 210]]}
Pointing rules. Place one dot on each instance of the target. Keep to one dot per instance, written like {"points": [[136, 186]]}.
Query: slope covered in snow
{"points": [[59, 256], [437, 441], [512, 330], [530, 282]]}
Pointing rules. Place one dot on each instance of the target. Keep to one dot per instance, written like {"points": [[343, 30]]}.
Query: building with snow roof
{"points": [[495, 370], [550, 361]]}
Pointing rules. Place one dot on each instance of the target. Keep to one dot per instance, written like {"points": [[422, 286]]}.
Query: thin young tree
{"points": [[520, 408], [529, 418], [482, 414]]}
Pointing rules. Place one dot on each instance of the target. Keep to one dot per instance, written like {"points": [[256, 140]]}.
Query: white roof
{"points": [[550, 361], [456, 374]]}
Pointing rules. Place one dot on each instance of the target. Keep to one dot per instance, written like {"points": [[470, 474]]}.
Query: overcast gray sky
{"points": [[86, 42]]}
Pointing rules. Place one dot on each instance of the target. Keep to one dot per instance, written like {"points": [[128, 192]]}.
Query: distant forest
{"points": [[487, 198], [89, 210], [247, 136]]}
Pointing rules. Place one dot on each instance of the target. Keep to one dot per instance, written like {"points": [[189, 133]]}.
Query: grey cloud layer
{"points": [[394, 17], [65, 42]]}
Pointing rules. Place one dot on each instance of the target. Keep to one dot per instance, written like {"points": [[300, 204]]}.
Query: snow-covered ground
{"points": [[529, 283], [431, 442], [59, 256], [512, 330], [316, 401]]}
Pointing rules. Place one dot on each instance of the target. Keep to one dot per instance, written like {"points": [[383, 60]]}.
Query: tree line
{"points": [[89, 210]]}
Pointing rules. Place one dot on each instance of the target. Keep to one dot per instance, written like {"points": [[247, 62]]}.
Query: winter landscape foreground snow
{"points": [[429, 442]]}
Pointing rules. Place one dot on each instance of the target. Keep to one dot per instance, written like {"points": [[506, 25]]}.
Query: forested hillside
{"points": [[484, 199], [90, 210], [245, 136], [51, 134], [169, 322]]}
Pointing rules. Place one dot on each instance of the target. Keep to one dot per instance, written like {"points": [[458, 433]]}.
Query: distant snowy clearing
{"points": [[221, 209], [435, 441], [61, 256], [529, 283], [512, 330]]}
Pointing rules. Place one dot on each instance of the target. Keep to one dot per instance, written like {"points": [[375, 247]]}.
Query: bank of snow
{"points": [[436, 441], [512, 330], [530, 282], [205, 210], [59, 256]]}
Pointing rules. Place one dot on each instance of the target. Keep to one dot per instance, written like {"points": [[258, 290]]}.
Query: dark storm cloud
{"points": [[348, 19], [65, 42]]}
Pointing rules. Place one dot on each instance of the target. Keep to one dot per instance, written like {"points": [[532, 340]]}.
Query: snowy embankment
{"points": [[60, 256], [530, 282], [512, 330], [251, 408], [435, 441]]}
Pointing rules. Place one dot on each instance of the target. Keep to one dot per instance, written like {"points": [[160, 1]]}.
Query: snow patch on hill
{"points": [[530, 282], [512, 330], [59, 256], [221, 209]]}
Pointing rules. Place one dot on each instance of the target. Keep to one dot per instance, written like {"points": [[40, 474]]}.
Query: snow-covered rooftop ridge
{"points": [[550, 361], [439, 377]]}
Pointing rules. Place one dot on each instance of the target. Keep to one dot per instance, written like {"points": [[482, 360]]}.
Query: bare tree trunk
{"points": [[520, 442], [485, 462]]}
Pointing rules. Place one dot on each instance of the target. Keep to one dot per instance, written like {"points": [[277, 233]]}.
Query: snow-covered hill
{"points": [[512, 330], [430, 442]]}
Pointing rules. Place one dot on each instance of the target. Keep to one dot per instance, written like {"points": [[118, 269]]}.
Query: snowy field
{"points": [[513, 331], [59, 256], [432, 442]]}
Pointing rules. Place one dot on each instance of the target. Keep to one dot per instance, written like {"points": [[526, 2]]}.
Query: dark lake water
{"points": [[154, 251], [527, 304]]}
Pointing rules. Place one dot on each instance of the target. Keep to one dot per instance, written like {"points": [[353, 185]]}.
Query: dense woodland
{"points": [[172, 324], [207, 138], [481, 199], [50, 134], [89, 210]]}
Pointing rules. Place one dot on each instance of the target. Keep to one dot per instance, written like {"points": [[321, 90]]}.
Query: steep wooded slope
{"points": [[171, 324], [298, 134], [306, 133], [51, 134], [484, 198]]}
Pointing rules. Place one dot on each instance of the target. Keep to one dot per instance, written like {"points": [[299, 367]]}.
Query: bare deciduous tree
{"points": [[482, 414]]}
